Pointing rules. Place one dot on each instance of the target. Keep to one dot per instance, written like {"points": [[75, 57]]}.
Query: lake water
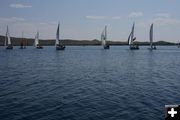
{"points": [[88, 83]]}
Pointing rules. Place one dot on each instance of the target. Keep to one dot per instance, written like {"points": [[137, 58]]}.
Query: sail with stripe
{"points": [[131, 37]]}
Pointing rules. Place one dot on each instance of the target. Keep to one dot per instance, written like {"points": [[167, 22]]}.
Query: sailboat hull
{"points": [[60, 47], [134, 47], [152, 48], [106, 47], [39, 47], [10, 47]]}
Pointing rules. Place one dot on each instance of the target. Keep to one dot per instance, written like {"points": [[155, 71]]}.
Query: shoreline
{"points": [[69, 42]]}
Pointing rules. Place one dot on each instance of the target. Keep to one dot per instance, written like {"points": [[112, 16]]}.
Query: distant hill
{"points": [[30, 42]]}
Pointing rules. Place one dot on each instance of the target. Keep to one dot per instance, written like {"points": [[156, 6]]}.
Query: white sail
{"points": [[131, 37], [129, 41], [57, 36], [104, 36], [8, 38], [151, 35], [36, 42], [132, 33]]}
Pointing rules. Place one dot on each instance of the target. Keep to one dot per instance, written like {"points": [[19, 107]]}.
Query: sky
{"points": [[85, 19]]}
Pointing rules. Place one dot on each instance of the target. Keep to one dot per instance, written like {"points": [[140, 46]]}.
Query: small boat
{"points": [[104, 38], [39, 47], [36, 42], [8, 40], [57, 43], [131, 40], [60, 47], [152, 47], [9, 47]]}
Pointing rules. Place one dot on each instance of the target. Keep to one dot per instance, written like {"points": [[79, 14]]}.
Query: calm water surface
{"points": [[88, 83]]}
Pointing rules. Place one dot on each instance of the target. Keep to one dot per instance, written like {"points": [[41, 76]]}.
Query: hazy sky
{"points": [[85, 19]]}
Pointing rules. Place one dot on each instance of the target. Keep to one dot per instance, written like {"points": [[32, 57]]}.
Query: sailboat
{"points": [[131, 39], [36, 41], [8, 40], [22, 44], [57, 44], [104, 38], [152, 47]]}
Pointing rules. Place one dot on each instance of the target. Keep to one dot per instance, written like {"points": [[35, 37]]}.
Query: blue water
{"points": [[88, 83]]}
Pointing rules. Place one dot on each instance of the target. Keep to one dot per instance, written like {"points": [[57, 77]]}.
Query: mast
{"points": [[151, 35], [57, 35]]}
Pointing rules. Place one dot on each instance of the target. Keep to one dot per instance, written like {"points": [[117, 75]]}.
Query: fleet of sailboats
{"points": [[8, 40], [104, 38], [57, 43], [36, 41], [60, 46], [131, 39], [152, 47]]}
